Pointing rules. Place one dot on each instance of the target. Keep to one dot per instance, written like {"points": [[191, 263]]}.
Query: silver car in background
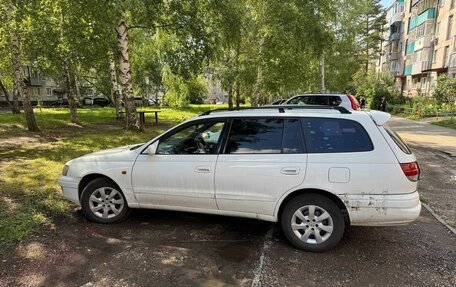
{"points": [[343, 100]]}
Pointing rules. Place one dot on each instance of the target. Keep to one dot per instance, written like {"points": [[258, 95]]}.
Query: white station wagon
{"points": [[313, 169]]}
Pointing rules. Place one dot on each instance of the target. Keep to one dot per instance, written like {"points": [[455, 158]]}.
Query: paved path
{"points": [[425, 134]]}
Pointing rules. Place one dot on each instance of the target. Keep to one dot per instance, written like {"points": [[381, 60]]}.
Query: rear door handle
{"points": [[290, 170], [202, 169]]}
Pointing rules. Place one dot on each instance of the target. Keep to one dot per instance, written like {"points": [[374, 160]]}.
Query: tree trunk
{"points": [[125, 76], [76, 87], [257, 87], [14, 108], [259, 80], [67, 78], [19, 75], [69, 92], [322, 74], [238, 93], [230, 96], [115, 94], [16, 100]]}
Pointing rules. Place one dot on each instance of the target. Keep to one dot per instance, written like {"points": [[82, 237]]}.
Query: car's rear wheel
{"points": [[102, 201], [312, 222]]}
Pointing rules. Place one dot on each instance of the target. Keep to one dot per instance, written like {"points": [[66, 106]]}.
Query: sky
{"points": [[385, 3]]}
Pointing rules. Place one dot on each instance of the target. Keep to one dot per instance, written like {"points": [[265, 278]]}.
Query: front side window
{"points": [[325, 135], [202, 138]]}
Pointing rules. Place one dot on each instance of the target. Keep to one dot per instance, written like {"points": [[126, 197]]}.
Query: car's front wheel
{"points": [[313, 222], [102, 201]]}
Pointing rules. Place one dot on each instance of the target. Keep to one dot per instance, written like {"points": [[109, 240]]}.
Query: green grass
{"points": [[446, 123], [30, 163], [424, 199]]}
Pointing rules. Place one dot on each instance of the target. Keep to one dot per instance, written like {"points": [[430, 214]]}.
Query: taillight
{"points": [[411, 170], [354, 102]]}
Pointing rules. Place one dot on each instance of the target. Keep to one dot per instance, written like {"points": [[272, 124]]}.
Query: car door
{"points": [[181, 172], [263, 158]]}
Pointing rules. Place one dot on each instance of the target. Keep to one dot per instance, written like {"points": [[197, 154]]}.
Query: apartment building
{"points": [[42, 89], [392, 57], [425, 42]]}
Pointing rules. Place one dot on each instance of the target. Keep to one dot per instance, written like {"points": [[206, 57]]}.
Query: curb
{"points": [[438, 217]]}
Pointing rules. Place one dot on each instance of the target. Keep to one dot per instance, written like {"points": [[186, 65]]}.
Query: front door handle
{"points": [[290, 170], [202, 169]]}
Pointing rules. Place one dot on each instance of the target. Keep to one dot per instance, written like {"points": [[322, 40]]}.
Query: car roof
{"points": [[275, 112]]}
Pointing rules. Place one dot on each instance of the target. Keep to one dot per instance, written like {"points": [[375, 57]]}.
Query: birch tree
{"points": [[17, 67], [125, 75]]}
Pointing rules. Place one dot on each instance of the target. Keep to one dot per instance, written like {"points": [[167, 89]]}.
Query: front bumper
{"points": [[383, 210], [70, 188]]}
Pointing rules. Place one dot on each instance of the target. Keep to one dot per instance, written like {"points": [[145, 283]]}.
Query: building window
{"points": [[49, 92], [445, 56], [434, 57], [450, 25], [452, 4], [420, 31], [437, 29], [36, 91]]}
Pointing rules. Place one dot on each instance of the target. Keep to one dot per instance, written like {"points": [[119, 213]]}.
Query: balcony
{"points": [[410, 48], [421, 18], [426, 4], [426, 65], [395, 36], [408, 70], [397, 17], [36, 82], [393, 56], [423, 42]]}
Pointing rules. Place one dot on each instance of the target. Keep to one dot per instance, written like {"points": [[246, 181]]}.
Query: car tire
{"points": [[102, 201], [312, 222]]}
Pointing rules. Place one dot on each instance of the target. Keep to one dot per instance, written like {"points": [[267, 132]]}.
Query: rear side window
{"points": [[325, 135], [397, 139], [265, 136]]}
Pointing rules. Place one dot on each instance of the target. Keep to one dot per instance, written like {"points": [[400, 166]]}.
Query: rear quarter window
{"points": [[326, 135], [397, 139]]}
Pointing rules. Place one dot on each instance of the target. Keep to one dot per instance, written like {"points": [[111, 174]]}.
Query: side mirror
{"points": [[152, 149]]}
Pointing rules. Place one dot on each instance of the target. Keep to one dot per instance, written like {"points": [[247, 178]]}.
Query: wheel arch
{"points": [[322, 192], [86, 179]]}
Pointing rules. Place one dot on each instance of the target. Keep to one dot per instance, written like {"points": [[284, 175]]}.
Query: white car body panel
{"points": [[175, 180], [254, 183], [371, 185]]}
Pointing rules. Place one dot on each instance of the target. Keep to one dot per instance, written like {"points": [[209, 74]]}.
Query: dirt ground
{"points": [[158, 248], [163, 248]]}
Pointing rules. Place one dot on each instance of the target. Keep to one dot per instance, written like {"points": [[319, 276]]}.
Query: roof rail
{"points": [[282, 108]]}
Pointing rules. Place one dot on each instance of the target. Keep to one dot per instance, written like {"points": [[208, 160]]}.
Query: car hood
{"points": [[124, 153]]}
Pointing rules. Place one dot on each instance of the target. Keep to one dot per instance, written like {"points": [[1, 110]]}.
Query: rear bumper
{"points": [[70, 188], [385, 209]]}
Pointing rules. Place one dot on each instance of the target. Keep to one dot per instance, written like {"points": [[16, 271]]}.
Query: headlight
{"points": [[65, 170]]}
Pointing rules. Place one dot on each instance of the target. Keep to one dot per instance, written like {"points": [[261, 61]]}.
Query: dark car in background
{"points": [[96, 101]]}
